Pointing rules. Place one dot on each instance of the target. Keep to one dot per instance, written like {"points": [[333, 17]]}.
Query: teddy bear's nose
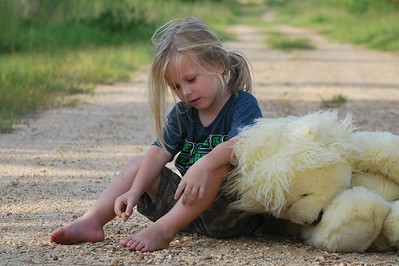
{"points": [[315, 222]]}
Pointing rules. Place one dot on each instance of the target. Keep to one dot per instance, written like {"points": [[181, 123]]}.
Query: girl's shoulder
{"points": [[243, 102], [244, 96]]}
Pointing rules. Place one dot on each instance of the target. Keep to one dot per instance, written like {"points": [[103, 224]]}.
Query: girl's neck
{"points": [[207, 116]]}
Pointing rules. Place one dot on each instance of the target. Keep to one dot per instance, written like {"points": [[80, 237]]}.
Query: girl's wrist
{"points": [[135, 194], [207, 163]]}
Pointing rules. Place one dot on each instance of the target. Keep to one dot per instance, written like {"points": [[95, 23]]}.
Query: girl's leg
{"points": [[89, 227], [159, 234]]}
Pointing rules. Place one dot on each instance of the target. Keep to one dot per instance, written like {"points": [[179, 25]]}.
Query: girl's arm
{"points": [[216, 164], [154, 160]]}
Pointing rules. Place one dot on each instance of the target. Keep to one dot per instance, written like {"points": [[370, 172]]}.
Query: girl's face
{"points": [[194, 87]]}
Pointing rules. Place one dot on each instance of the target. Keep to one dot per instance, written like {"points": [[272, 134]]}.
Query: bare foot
{"points": [[152, 238], [81, 230]]}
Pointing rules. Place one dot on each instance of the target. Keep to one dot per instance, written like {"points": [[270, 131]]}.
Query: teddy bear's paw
{"points": [[351, 222], [378, 183], [389, 237], [314, 189]]}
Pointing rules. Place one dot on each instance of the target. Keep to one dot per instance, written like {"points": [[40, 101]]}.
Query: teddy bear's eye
{"points": [[305, 195]]}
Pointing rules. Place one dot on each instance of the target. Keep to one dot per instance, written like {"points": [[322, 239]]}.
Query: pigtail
{"points": [[238, 74]]}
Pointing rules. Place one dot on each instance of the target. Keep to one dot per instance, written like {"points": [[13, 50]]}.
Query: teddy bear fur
{"points": [[338, 185]]}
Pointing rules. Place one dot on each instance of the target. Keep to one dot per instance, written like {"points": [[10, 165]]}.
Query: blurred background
{"points": [[50, 49]]}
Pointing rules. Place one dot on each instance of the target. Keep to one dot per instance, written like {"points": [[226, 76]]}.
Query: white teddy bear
{"points": [[338, 186]]}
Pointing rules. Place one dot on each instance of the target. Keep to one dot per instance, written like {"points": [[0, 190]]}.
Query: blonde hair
{"points": [[190, 37]]}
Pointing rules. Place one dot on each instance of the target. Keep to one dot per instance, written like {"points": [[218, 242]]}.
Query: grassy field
{"points": [[370, 23], [52, 49]]}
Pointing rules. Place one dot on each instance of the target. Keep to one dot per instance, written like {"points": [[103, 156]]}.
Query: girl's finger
{"points": [[129, 209], [124, 217], [201, 193], [186, 194], [180, 189], [193, 196], [117, 209]]}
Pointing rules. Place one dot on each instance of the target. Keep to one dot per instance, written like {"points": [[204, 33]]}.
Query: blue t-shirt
{"points": [[185, 135]]}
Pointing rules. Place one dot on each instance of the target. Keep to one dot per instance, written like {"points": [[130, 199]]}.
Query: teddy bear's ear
{"points": [[376, 153], [259, 181], [324, 127]]}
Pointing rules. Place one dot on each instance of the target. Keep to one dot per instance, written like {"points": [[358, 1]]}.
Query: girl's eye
{"points": [[191, 80]]}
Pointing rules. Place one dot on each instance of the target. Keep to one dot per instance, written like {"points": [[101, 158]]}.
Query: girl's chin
{"points": [[195, 105]]}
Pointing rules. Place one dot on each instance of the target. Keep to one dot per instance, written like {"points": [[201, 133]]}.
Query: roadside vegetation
{"points": [[369, 23], [335, 102], [53, 49], [283, 42]]}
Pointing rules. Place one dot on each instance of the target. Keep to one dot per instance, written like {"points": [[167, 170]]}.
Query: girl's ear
{"points": [[220, 69]]}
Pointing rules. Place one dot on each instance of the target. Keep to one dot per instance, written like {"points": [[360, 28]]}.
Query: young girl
{"points": [[213, 87]]}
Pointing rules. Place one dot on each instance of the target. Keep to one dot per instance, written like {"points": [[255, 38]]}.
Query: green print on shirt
{"points": [[192, 152]]}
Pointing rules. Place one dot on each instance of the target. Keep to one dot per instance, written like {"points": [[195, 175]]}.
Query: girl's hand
{"points": [[124, 205], [216, 164], [193, 185]]}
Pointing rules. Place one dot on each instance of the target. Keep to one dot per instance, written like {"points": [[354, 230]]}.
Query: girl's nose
{"points": [[186, 90]]}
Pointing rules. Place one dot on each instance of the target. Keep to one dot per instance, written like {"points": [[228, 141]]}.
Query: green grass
{"points": [[335, 102], [372, 24], [52, 49], [6, 126], [34, 81], [288, 43]]}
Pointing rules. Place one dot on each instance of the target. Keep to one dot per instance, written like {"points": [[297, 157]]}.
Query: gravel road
{"points": [[54, 166]]}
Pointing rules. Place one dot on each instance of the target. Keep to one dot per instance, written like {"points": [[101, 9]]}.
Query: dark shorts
{"points": [[219, 221]]}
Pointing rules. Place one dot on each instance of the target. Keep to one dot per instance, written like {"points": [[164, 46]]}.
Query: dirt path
{"points": [[53, 169], [295, 82]]}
